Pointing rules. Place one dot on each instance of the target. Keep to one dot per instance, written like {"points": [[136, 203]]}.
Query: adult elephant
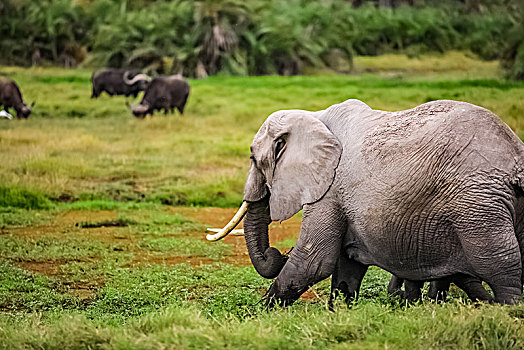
{"points": [[427, 193]]}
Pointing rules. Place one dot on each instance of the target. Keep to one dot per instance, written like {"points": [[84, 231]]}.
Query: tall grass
{"points": [[370, 326]]}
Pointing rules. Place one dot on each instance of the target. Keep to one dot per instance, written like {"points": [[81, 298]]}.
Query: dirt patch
{"points": [[62, 223], [310, 295], [219, 217], [84, 290], [51, 267], [74, 216], [193, 260], [107, 228]]}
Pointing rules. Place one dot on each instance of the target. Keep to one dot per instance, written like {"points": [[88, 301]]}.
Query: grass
{"points": [[22, 198], [68, 281], [75, 148]]}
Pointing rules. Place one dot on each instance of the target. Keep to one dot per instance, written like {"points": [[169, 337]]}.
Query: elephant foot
{"points": [[395, 286], [344, 292], [413, 290], [346, 280], [438, 290]]}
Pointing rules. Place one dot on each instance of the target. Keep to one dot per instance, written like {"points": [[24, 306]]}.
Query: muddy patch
{"points": [[84, 290], [74, 216], [193, 260], [51, 267], [310, 295], [62, 223], [219, 217]]}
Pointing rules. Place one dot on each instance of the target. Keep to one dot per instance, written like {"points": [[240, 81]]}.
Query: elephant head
{"points": [[293, 157], [293, 161]]}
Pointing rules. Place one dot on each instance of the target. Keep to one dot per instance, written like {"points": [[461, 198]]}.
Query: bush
{"points": [[39, 31], [206, 37], [21, 198], [512, 59]]}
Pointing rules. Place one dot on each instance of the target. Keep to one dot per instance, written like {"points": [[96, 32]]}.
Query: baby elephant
{"points": [[11, 97], [438, 289]]}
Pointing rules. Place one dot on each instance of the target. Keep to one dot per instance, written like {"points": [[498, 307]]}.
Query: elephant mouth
{"points": [[231, 225]]}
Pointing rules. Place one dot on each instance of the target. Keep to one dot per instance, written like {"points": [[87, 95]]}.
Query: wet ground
{"points": [[67, 225]]}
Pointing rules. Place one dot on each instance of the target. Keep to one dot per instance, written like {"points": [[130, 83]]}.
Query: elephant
{"points": [[429, 193]]}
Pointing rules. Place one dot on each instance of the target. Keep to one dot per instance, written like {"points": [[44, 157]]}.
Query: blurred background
{"points": [[257, 37]]}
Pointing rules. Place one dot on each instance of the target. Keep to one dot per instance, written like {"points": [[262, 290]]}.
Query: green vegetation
{"points": [[257, 37], [22, 198], [62, 286], [94, 255]]}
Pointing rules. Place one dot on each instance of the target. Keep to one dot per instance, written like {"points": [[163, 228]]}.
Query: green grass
{"points": [[22, 198], [155, 282], [75, 148]]}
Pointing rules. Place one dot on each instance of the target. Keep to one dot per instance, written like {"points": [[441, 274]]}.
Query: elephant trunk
{"points": [[267, 260]]}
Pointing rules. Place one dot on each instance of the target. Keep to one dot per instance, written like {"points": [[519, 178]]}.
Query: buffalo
{"points": [[167, 93], [119, 82], [11, 97]]}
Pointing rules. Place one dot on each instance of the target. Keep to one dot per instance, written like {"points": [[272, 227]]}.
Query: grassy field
{"points": [[102, 218]]}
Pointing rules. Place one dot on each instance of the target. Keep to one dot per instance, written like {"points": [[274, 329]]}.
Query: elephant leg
{"points": [[346, 279], [473, 288], [395, 286], [315, 255], [438, 290], [413, 290], [495, 256]]}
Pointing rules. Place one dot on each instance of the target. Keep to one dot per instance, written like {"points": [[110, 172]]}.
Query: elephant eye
{"points": [[279, 148]]}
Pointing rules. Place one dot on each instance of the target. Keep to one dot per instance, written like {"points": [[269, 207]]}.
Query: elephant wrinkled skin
{"points": [[427, 193]]}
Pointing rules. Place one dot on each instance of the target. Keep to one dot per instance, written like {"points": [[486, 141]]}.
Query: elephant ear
{"points": [[306, 169]]}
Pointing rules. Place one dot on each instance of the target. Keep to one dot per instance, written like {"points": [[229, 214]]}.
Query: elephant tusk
{"points": [[231, 225], [237, 232]]}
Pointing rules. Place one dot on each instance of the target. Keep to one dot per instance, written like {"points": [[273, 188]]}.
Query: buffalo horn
{"points": [[137, 77]]}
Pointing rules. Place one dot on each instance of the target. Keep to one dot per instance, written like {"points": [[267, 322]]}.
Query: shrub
{"points": [[207, 37], [21, 198]]}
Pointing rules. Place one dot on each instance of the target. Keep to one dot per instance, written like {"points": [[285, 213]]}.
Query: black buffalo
{"points": [[119, 82], [11, 97], [167, 93]]}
